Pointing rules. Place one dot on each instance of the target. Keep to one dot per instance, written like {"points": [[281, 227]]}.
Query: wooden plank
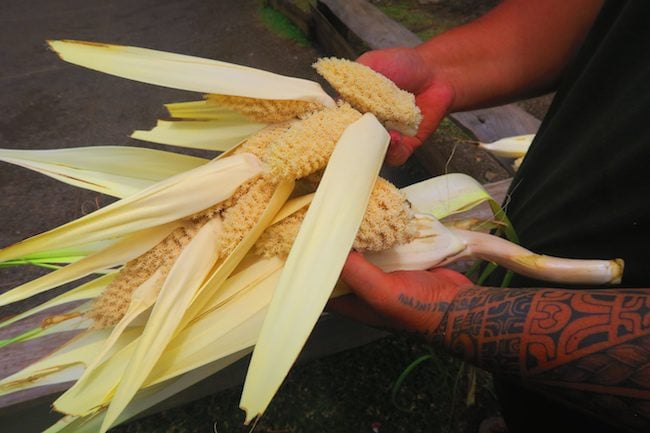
{"points": [[370, 24], [491, 124], [329, 38]]}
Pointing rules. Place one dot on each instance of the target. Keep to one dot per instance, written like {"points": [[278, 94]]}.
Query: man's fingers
{"points": [[367, 280], [401, 148], [434, 103], [384, 292]]}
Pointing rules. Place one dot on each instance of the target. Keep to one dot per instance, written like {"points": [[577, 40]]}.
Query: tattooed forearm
{"points": [[588, 345]]}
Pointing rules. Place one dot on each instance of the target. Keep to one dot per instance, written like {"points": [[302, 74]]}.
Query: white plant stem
{"points": [[541, 267]]}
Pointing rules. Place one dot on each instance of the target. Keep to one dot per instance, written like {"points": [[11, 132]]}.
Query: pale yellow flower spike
{"points": [[185, 278], [388, 222], [265, 110], [307, 145]]}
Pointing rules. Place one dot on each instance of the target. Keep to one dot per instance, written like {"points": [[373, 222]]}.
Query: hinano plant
{"points": [[201, 261], [514, 147]]}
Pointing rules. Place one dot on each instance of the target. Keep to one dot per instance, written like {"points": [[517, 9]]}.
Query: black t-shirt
{"points": [[583, 190]]}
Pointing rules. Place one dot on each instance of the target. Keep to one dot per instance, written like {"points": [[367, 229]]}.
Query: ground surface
{"points": [[49, 104]]}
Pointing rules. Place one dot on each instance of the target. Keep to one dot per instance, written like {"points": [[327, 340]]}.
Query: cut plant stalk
{"points": [[510, 147], [436, 245]]}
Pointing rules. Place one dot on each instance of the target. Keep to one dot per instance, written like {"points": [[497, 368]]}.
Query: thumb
{"points": [[366, 280], [434, 103]]}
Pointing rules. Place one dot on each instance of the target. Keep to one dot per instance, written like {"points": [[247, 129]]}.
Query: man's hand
{"points": [[406, 68], [415, 301]]}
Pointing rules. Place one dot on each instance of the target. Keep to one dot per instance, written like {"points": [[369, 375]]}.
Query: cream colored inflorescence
{"points": [[371, 92], [388, 222], [265, 110], [112, 304], [278, 238], [307, 145], [295, 146]]}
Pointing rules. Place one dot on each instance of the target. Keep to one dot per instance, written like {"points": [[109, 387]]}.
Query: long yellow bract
{"points": [[331, 224]]}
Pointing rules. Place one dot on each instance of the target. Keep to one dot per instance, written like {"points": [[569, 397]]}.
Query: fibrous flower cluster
{"points": [[296, 145], [368, 91]]}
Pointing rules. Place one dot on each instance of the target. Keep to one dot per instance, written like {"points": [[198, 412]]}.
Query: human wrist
{"points": [[439, 335]]}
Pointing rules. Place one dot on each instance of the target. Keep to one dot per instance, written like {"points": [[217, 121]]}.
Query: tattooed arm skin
{"points": [[588, 348]]}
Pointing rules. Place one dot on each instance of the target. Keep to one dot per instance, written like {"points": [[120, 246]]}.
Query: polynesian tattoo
{"points": [[588, 348]]}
